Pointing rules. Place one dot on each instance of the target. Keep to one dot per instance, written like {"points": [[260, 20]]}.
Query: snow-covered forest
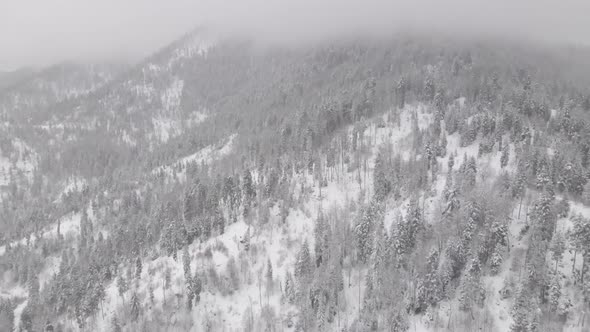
{"points": [[406, 183]]}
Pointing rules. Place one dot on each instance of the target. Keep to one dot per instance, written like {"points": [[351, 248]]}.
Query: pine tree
{"points": [[115, 326], [196, 286], [429, 89], [451, 162], [397, 321], [554, 292], [580, 237], [469, 170], [122, 286], [34, 287], [151, 294], [190, 205], [218, 220], [173, 238], [249, 194], [505, 156], [379, 258], [6, 315], [98, 295], [232, 195], [520, 313], [303, 264], [246, 239], [26, 318], [321, 316], [233, 274], [401, 91], [364, 230], [499, 233], [415, 222], [186, 264], [442, 150], [84, 231], [545, 218], [289, 288], [471, 291], [543, 179], [496, 260], [534, 322], [586, 193], [135, 306], [558, 247], [269, 276], [319, 232], [138, 268], [565, 306], [363, 234], [519, 186], [429, 290], [381, 184], [167, 281]]}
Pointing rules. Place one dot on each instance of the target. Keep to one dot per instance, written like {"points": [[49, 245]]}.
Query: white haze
{"points": [[41, 32]]}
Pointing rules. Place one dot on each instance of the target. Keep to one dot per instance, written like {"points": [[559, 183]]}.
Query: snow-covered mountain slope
{"points": [[277, 243], [220, 186], [148, 103], [24, 100], [17, 162]]}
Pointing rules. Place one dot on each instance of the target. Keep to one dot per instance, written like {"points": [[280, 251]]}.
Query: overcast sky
{"points": [[42, 32]]}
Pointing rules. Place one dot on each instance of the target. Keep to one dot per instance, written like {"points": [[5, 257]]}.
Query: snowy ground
{"points": [[69, 225], [205, 155], [21, 162], [73, 184], [280, 243]]}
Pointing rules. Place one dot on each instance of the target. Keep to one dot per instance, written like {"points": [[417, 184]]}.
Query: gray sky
{"points": [[42, 32]]}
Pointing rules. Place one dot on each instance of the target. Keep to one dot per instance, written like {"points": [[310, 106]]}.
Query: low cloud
{"points": [[37, 32]]}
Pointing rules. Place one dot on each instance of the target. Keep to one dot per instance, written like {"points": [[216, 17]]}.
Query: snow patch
{"points": [[171, 97], [205, 155], [73, 184]]}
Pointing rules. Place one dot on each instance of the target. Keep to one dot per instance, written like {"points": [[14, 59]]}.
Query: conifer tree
{"points": [[554, 292], [248, 192], [430, 288], [558, 247], [379, 258], [303, 263], [364, 230], [195, 288], [138, 267], [580, 237], [451, 162], [401, 91], [505, 156], [289, 288], [397, 321], [122, 286], [382, 185], [135, 306], [319, 233], [115, 325], [520, 314], [471, 291], [586, 193], [269, 276], [186, 264]]}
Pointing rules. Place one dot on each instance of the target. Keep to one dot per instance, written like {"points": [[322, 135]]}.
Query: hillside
{"points": [[403, 184]]}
